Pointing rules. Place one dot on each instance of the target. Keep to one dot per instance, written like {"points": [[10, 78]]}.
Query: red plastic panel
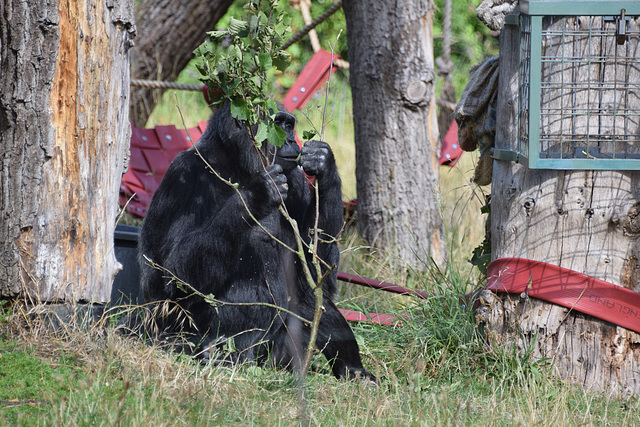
{"points": [[389, 287], [375, 318], [450, 151], [144, 138], [148, 181], [131, 184], [313, 75], [137, 160], [171, 139], [158, 161], [194, 133]]}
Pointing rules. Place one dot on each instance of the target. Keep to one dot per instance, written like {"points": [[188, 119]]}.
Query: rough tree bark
{"points": [[64, 131], [396, 132], [168, 32], [583, 220]]}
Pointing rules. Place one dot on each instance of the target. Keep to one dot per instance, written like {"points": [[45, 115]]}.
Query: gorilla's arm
{"points": [[317, 160]]}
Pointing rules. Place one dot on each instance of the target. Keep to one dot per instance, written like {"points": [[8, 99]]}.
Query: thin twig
{"points": [[210, 299], [318, 291]]}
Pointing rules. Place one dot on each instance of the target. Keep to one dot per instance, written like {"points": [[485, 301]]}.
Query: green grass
{"points": [[28, 383], [436, 369]]}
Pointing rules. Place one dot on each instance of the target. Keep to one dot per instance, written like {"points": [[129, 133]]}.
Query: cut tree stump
{"points": [[586, 221]]}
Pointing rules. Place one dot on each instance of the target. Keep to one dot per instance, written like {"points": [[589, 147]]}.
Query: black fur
{"points": [[198, 228]]}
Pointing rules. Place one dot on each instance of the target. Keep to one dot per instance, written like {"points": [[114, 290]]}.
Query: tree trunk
{"points": [[64, 131], [168, 33], [396, 132], [582, 220]]}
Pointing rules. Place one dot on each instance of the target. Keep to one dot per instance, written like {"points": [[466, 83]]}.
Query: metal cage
{"points": [[579, 91]]}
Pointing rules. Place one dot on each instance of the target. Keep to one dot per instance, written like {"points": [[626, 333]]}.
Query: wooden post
{"points": [[582, 220], [64, 135]]}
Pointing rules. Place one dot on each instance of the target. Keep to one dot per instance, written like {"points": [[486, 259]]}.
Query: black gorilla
{"points": [[198, 228]]}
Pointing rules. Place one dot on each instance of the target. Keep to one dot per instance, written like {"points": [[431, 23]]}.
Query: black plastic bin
{"points": [[126, 285]]}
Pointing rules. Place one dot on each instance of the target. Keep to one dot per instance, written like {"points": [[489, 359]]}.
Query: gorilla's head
{"points": [[235, 138], [286, 155]]}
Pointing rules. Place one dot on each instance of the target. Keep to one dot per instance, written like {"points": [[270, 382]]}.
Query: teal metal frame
{"points": [[530, 155]]}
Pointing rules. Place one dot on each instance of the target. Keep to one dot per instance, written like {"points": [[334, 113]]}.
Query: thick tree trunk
{"points": [[64, 131], [582, 220], [396, 132], [168, 32]]}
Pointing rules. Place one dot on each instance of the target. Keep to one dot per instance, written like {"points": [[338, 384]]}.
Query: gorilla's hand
{"points": [[316, 157], [276, 184], [268, 189]]}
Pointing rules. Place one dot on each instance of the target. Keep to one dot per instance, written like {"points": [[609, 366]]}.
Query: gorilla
{"points": [[199, 229]]}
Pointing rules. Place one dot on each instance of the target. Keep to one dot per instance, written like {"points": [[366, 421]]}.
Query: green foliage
{"points": [[308, 134], [481, 255], [5, 312], [238, 73], [435, 369]]}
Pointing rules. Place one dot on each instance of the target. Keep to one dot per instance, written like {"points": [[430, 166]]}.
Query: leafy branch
{"points": [[239, 73]]}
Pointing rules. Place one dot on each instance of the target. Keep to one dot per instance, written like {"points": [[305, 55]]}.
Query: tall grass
{"points": [[434, 369]]}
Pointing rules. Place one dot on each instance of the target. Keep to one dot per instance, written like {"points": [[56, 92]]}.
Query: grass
{"points": [[434, 370]]}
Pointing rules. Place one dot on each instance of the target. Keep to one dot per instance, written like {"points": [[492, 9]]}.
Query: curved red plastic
{"points": [[377, 284], [567, 288]]}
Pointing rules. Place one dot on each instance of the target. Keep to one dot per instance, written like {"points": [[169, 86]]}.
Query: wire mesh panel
{"points": [[525, 84], [579, 96]]}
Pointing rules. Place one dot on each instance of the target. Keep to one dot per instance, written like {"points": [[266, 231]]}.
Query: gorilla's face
{"points": [[287, 155]]}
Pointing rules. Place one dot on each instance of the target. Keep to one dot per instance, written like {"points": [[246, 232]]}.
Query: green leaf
{"points": [[253, 25], [238, 28], [234, 53], [282, 60], [272, 107], [308, 134], [262, 20], [275, 135], [264, 61], [481, 256], [240, 109], [252, 5], [261, 134], [256, 84], [254, 40], [217, 34], [200, 50]]}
